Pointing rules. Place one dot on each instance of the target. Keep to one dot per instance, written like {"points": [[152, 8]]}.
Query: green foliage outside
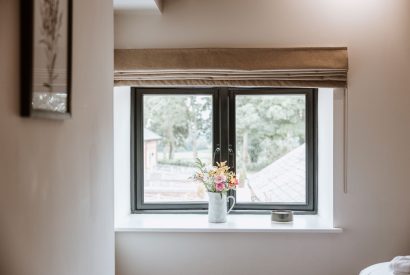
{"points": [[267, 127]]}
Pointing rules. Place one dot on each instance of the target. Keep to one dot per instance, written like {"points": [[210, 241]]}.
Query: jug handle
{"points": [[233, 204]]}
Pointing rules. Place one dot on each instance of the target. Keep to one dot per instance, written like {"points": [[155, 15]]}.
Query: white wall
{"points": [[122, 153], [375, 211], [56, 177]]}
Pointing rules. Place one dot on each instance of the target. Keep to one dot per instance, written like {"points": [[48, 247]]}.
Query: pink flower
{"points": [[220, 178], [219, 186]]}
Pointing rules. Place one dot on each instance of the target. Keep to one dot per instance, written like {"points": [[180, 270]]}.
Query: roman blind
{"points": [[256, 67]]}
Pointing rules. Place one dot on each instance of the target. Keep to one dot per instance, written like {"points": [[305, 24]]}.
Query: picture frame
{"points": [[46, 58]]}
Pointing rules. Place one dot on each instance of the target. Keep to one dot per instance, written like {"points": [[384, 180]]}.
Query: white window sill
{"points": [[235, 223]]}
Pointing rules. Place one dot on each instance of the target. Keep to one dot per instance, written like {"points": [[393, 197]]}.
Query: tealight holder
{"points": [[282, 216]]}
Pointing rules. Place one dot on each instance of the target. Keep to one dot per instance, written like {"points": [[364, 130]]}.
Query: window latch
{"points": [[217, 151]]}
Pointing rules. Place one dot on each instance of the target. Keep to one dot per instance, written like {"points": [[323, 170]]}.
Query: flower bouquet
{"points": [[218, 180], [215, 178]]}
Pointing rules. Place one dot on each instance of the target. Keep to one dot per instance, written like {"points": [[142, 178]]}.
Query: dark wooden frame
{"points": [[223, 137], [311, 147], [26, 62], [137, 143]]}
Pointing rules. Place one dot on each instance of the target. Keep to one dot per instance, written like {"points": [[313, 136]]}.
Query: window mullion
{"points": [[225, 128], [231, 136], [216, 146], [224, 122]]}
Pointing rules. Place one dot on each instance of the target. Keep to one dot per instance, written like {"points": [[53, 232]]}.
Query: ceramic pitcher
{"points": [[217, 208]]}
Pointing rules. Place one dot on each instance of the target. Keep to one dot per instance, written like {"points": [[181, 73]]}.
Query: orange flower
{"points": [[233, 182]]}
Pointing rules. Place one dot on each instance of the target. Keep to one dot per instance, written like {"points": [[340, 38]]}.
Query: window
{"points": [[267, 136]]}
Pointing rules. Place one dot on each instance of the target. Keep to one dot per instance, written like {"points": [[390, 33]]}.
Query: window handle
{"points": [[217, 151], [231, 153]]}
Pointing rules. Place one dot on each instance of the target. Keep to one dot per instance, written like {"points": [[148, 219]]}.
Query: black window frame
{"points": [[223, 116]]}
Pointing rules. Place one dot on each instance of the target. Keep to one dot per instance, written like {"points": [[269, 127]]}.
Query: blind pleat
{"points": [[301, 67]]}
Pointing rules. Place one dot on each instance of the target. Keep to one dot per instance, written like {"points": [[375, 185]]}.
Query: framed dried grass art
{"points": [[46, 34]]}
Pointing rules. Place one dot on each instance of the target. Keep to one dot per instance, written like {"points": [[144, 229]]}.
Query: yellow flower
{"points": [[221, 164]]}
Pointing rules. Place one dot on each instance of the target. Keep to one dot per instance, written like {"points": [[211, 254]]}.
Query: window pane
{"points": [[270, 148], [177, 129]]}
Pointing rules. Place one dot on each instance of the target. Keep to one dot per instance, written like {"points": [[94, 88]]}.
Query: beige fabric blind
{"points": [[289, 67]]}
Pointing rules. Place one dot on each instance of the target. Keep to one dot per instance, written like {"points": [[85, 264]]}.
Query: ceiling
{"points": [[138, 5]]}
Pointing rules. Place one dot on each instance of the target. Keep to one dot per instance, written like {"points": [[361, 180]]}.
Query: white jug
{"points": [[217, 207]]}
